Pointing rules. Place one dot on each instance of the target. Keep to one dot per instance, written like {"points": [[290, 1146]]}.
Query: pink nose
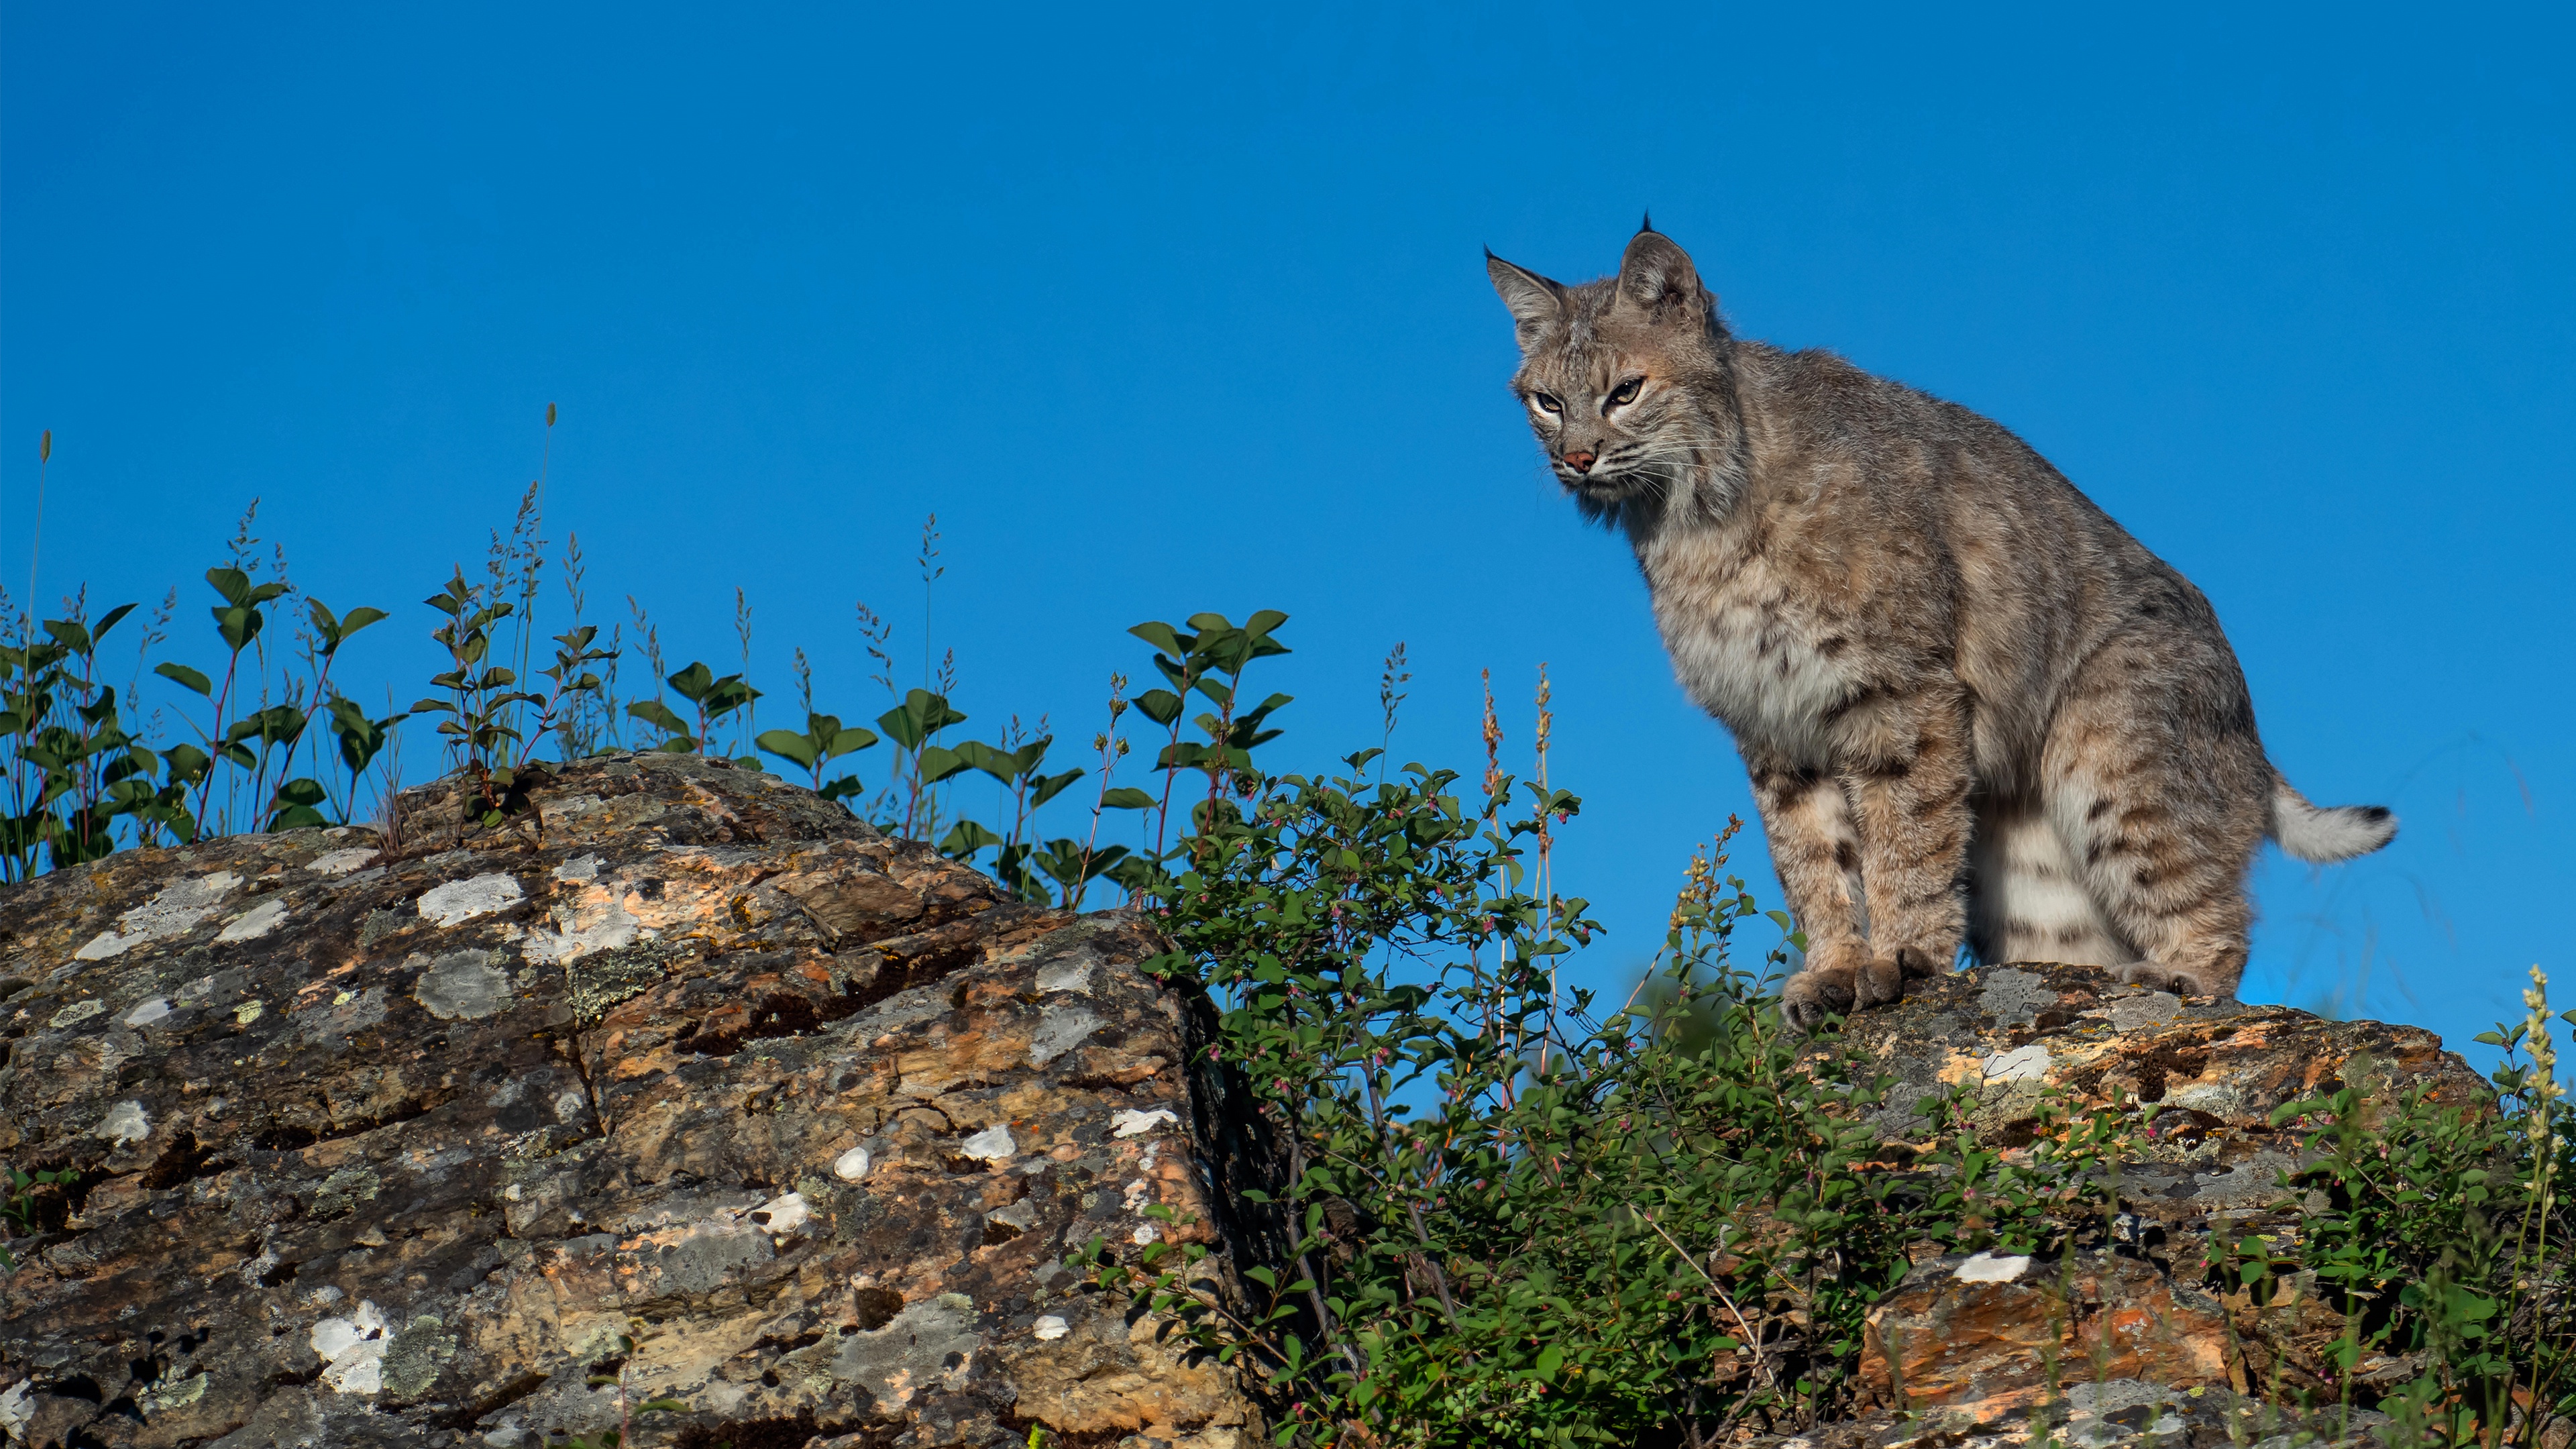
{"points": [[1580, 462]]}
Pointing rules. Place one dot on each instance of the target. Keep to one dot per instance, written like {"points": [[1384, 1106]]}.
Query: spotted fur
{"points": [[1972, 706]]}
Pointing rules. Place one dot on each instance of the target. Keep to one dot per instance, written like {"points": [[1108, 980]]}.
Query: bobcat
{"points": [[1970, 703]]}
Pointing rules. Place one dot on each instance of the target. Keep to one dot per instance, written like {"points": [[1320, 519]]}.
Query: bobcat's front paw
{"points": [[2156, 976], [1816, 993], [1847, 976]]}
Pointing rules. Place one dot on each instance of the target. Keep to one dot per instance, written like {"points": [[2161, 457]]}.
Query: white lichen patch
{"points": [[580, 867], [2218, 1099], [148, 1012], [926, 1344], [462, 986], [993, 1144], [254, 923], [2137, 1013], [125, 1122], [168, 1394], [341, 862], [2021, 1064], [1059, 1031], [604, 925], [852, 1165], [176, 909], [352, 1350], [1988, 1268], [106, 944], [75, 1014], [1049, 1328], [1073, 973], [16, 1412], [1133, 1122], [463, 900], [783, 1214], [1145, 1234]]}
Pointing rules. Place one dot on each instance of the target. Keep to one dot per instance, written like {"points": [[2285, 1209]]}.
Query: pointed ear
{"points": [[1657, 278], [1534, 300]]}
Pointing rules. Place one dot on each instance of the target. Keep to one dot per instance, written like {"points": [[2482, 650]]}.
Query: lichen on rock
{"points": [[814, 1117]]}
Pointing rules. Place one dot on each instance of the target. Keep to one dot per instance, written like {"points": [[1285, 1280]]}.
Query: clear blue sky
{"points": [[1177, 311]]}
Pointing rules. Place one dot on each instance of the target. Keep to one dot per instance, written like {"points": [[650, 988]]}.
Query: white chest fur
{"points": [[1744, 652]]}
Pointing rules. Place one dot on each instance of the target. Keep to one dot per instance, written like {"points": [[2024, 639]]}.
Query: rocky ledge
{"points": [[2125, 1337], [704, 1091]]}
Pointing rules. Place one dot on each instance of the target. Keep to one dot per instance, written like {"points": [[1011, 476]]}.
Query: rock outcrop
{"points": [[2125, 1338], [711, 1093]]}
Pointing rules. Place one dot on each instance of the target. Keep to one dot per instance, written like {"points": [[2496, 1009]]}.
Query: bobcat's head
{"points": [[1625, 379]]}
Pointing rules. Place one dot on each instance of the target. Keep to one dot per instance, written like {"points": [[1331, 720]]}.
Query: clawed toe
{"points": [[1812, 996], [2159, 977]]}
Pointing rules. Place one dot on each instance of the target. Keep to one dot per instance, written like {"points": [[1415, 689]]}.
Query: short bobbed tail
{"points": [[2324, 835]]}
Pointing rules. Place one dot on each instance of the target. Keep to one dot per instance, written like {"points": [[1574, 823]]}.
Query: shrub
{"points": [[1510, 1218]]}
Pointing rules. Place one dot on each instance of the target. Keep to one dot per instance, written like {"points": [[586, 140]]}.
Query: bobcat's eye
{"points": [[1547, 404], [1622, 395]]}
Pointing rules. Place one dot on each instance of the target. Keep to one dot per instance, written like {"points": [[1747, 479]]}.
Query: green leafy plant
{"points": [[19, 1207], [2442, 1234], [1208, 660], [1509, 1218], [823, 740], [712, 697], [485, 729], [76, 772]]}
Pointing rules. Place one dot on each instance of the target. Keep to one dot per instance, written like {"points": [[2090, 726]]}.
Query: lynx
{"points": [[1971, 704]]}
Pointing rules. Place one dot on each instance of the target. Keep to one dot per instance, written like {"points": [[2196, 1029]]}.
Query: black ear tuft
{"points": [[1648, 224], [1534, 300]]}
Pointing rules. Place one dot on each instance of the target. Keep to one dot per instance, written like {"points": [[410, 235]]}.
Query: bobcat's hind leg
{"points": [[2157, 786]]}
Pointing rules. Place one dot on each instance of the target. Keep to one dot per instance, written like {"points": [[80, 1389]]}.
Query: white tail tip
{"points": [[2328, 834]]}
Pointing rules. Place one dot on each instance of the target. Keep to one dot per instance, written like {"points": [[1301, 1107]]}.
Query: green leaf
{"points": [[903, 727], [1550, 1360], [1162, 636], [1126, 797], [996, 763], [789, 745], [939, 763], [693, 682], [657, 714], [186, 678], [1047, 787]]}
